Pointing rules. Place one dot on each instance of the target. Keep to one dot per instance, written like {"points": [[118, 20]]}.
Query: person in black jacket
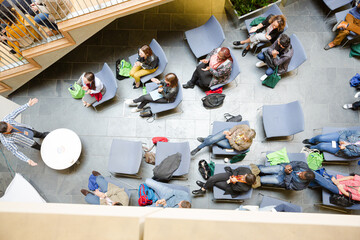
{"points": [[269, 30], [293, 176], [231, 181], [168, 90]]}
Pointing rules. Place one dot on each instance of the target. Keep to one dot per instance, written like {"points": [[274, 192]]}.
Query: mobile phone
{"points": [[333, 144]]}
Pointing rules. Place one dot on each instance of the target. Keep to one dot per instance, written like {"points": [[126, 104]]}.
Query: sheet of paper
{"points": [[155, 95]]}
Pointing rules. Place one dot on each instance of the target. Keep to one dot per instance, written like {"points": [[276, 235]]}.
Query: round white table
{"points": [[60, 149]]}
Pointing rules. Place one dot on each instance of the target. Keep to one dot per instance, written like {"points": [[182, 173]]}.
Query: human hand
{"points": [[160, 90], [204, 61], [288, 169], [274, 53], [85, 88], [253, 29], [88, 91], [161, 202], [205, 69], [155, 80], [233, 179], [226, 132], [31, 163], [335, 181], [268, 37], [34, 7], [137, 64], [3, 38], [32, 101], [342, 147]]}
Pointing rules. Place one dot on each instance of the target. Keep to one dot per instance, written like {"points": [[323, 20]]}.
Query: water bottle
{"points": [[72, 87]]}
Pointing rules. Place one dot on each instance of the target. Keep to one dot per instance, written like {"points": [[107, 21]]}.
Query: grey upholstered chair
{"points": [[283, 120], [159, 52], [125, 158], [202, 40], [335, 4], [108, 79], [269, 201], [341, 16], [219, 193]]}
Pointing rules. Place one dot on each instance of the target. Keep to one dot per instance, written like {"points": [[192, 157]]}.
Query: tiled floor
{"points": [[321, 85]]}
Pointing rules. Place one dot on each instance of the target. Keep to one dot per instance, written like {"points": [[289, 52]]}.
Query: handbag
{"points": [[204, 169], [341, 200], [213, 100], [76, 91], [272, 79], [232, 118], [146, 112]]}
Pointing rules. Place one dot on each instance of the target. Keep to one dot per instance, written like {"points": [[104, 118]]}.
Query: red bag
{"points": [[218, 90]]}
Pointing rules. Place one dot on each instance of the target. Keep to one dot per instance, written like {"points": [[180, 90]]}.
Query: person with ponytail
{"points": [[93, 87]]}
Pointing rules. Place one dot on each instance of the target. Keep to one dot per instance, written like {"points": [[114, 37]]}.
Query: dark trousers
{"points": [[356, 105], [37, 134], [218, 180], [200, 77], [145, 99]]}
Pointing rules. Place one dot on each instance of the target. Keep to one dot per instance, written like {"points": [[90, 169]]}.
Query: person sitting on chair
{"points": [[231, 181], [167, 89], [214, 69], [240, 138], [93, 87], [107, 193], [279, 55], [14, 134], [351, 24], [295, 175], [146, 63], [267, 31], [344, 143]]}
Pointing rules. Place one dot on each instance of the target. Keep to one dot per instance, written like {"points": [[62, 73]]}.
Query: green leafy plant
{"points": [[243, 7]]}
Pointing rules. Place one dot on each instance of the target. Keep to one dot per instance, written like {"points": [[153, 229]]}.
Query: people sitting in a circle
{"points": [[93, 87], [240, 138], [351, 24], [214, 69], [146, 63], [279, 55], [344, 143], [233, 182], [167, 92], [295, 175], [267, 31], [348, 186]]}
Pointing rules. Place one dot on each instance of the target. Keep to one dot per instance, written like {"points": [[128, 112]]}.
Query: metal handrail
{"points": [[21, 29]]}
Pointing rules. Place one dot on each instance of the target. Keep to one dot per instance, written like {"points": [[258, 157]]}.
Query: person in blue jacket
{"points": [[344, 143]]}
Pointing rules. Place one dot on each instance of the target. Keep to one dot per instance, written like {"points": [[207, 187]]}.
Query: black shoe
{"points": [[306, 141], [199, 192], [200, 184], [95, 173], [200, 139], [307, 146], [135, 87], [188, 85], [84, 192], [12, 51], [245, 51], [237, 43], [44, 134], [195, 151]]}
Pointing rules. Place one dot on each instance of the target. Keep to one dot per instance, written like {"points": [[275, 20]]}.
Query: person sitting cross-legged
{"points": [[279, 55], [106, 194], [295, 175], [351, 24], [231, 181]]}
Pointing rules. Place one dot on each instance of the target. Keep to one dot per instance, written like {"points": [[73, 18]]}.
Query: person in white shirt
{"points": [[93, 87]]}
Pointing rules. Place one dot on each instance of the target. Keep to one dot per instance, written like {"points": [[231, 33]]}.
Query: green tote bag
{"points": [[76, 91], [272, 79]]}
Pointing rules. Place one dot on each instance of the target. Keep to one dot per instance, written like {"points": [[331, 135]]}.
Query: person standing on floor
{"points": [[14, 134]]}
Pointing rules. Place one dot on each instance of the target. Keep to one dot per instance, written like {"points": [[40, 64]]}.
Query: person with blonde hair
{"points": [[267, 31]]}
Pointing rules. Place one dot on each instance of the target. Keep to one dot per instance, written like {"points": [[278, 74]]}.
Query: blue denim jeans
{"points": [[323, 142], [274, 175], [261, 57], [324, 182], [43, 19], [103, 187], [218, 139]]}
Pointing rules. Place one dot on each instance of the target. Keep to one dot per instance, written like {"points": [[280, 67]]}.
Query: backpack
{"points": [[355, 81], [232, 118], [213, 100], [315, 160], [146, 195], [122, 69]]}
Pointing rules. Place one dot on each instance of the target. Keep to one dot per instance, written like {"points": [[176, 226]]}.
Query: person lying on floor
{"points": [[293, 176], [344, 143], [231, 181], [240, 138], [214, 69], [167, 92], [267, 31], [348, 186], [106, 193]]}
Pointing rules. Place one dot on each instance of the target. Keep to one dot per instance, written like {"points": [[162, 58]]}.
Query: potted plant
{"points": [[239, 9]]}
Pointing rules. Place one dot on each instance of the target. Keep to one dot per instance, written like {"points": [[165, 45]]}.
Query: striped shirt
{"points": [[12, 140]]}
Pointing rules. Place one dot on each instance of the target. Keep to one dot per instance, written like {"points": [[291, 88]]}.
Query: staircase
{"points": [[84, 20]]}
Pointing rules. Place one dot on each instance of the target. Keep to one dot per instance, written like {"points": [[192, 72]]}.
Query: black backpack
{"points": [[213, 100]]}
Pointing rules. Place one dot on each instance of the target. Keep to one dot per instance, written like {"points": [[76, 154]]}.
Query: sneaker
{"points": [[44, 134], [200, 184], [263, 77], [226, 160], [306, 141], [134, 110], [199, 192], [130, 103], [260, 64], [95, 173], [357, 95], [336, 25], [347, 106], [84, 192], [237, 43], [195, 151], [188, 85], [200, 139]]}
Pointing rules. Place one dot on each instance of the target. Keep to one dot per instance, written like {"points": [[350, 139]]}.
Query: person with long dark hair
{"points": [[93, 87]]}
